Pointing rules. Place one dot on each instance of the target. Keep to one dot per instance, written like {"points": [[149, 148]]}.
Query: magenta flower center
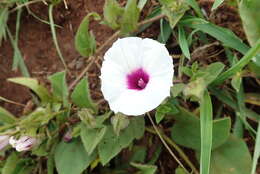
{"points": [[137, 79]]}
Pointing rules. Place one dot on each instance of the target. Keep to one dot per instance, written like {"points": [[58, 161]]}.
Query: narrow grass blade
{"points": [[16, 39], [239, 65], [216, 4], [4, 13], [195, 6], [55, 37], [206, 133], [165, 32], [22, 65], [183, 42], [226, 36], [257, 150]]}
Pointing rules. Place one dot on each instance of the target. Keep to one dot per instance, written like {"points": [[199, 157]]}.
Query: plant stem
{"points": [[164, 138], [105, 44], [176, 147]]}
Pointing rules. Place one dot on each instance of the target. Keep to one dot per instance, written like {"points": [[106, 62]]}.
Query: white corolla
{"points": [[136, 75], [24, 143]]}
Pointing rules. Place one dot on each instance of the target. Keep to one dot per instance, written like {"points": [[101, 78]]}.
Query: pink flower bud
{"points": [[67, 137], [4, 141], [24, 143]]}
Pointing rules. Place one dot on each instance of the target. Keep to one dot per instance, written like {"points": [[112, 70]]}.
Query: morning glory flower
{"points": [[24, 143], [4, 141], [136, 75]]}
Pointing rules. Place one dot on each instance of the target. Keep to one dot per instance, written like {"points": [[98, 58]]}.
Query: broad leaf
{"points": [[6, 117], [81, 95], [34, 85], [186, 130], [85, 42], [130, 17], [111, 144], [112, 14], [59, 86], [72, 158], [249, 12], [91, 137], [10, 163], [233, 157]]}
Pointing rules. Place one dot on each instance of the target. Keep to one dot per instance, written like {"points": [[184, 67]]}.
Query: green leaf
{"points": [[130, 17], [194, 4], [257, 150], [236, 81], [111, 144], [4, 13], [141, 4], [119, 122], [177, 89], [239, 65], [34, 85], [233, 157], [10, 163], [6, 117], [59, 86], [91, 137], [203, 78], [144, 168], [183, 42], [81, 95], [249, 12], [206, 127], [164, 109], [71, 158], [165, 31], [112, 13], [180, 170], [224, 35], [186, 130], [216, 4], [85, 42], [173, 10]]}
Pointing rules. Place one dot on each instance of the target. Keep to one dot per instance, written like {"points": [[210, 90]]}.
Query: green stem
{"points": [[176, 147]]}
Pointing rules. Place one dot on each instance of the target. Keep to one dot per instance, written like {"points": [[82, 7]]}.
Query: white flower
{"points": [[24, 143], [136, 75], [4, 141]]}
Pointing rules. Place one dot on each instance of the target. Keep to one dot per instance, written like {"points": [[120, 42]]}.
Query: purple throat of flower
{"points": [[137, 79]]}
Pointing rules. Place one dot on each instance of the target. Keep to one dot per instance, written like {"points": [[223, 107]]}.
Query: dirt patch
{"points": [[38, 50]]}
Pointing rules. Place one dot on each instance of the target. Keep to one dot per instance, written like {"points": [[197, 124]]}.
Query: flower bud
{"points": [[24, 143], [4, 141], [68, 136]]}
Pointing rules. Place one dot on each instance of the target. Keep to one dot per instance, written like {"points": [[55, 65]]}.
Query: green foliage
{"points": [[34, 85], [85, 42], [91, 137], [232, 157], [4, 13], [130, 17], [249, 12], [71, 158], [165, 31], [6, 117], [59, 87], [164, 109], [216, 4], [111, 144], [201, 79], [119, 122], [186, 130], [183, 42], [206, 129], [174, 10], [81, 95], [10, 163], [112, 14], [144, 168]]}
